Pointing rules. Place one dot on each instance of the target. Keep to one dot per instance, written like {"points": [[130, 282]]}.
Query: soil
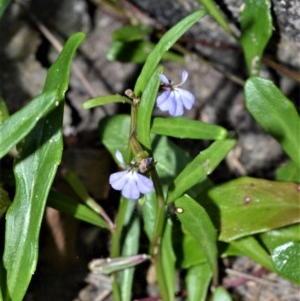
{"points": [[215, 76]]}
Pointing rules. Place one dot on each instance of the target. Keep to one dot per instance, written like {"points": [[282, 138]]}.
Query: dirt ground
{"points": [[31, 32]]}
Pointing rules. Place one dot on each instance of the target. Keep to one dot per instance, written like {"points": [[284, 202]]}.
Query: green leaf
{"points": [[250, 247], [247, 206], [114, 132], [67, 205], [286, 260], [136, 51], [277, 237], [104, 100], [149, 212], [4, 201], [197, 282], [256, 26], [164, 44], [4, 114], [289, 172], [130, 247], [192, 251], [221, 294], [215, 12], [275, 113], [18, 125], [3, 5], [182, 127], [197, 222], [145, 109], [168, 259], [170, 159], [201, 166], [35, 169], [129, 33]]}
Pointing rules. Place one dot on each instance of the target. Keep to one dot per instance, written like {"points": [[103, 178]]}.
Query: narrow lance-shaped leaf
{"points": [[216, 13], [182, 127], [18, 125], [275, 113], [35, 168], [256, 24], [145, 108], [201, 166], [197, 222], [104, 100], [164, 44]]}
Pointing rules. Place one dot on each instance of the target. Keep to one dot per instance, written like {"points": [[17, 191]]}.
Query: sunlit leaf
{"points": [[35, 168], [286, 259], [256, 27], [247, 206], [18, 125]]}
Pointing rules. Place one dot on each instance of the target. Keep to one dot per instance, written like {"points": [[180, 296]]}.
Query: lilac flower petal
{"points": [[119, 179], [187, 98], [163, 96], [164, 79], [184, 76], [119, 157], [131, 191], [144, 184]]}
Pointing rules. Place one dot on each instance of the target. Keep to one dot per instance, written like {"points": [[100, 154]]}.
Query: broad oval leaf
{"points": [[247, 206], [164, 44], [197, 222], [182, 127], [35, 168], [275, 113], [221, 294], [200, 167], [256, 26]]}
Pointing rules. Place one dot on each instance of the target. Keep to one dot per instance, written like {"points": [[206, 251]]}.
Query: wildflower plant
{"points": [[172, 190]]}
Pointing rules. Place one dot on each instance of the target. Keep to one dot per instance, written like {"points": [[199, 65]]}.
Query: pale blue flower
{"points": [[130, 182], [174, 99]]}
